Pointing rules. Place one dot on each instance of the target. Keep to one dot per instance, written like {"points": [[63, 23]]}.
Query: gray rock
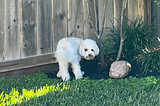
{"points": [[119, 69]]}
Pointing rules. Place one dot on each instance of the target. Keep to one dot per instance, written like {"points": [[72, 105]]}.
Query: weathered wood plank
{"points": [[88, 31], [44, 26], [49, 68], [117, 10], [75, 18], [108, 16], [158, 17], [141, 9], [132, 9], [59, 21], [147, 11], [12, 29], [29, 28], [154, 16], [2, 30], [27, 62]]}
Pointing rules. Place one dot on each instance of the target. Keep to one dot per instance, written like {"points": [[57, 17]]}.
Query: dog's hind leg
{"points": [[63, 70], [77, 70]]}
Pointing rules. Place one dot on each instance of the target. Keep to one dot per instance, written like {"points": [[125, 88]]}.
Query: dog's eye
{"points": [[92, 50], [85, 50]]}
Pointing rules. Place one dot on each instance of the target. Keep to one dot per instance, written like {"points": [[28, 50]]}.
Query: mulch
{"points": [[94, 71]]}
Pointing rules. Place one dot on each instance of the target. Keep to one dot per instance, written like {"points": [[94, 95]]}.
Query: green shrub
{"points": [[110, 50], [150, 60], [137, 36]]}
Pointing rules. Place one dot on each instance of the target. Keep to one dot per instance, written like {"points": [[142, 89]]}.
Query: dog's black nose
{"points": [[90, 55]]}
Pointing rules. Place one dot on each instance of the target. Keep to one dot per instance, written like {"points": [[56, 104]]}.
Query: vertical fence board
{"points": [[132, 9], [75, 18], [117, 10], [155, 17], [108, 16], [147, 11], [44, 44], [158, 17], [141, 9], [88, 31], [12, 29], [154, 14], [1, 29], [29, 27], [59, 21]]}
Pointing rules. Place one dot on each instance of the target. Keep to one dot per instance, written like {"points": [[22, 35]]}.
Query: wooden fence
{"points": [[33, 27], [155, 17]]}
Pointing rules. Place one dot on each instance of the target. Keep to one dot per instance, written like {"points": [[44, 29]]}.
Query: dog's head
{"points": [[88, 49]]}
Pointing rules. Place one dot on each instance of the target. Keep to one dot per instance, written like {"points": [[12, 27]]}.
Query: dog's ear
{"points": [[96, 49], [81, 49]]}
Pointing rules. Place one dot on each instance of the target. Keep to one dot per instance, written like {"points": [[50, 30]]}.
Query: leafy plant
{"points": [[150, 60], [110, 52], [157, 2], [138, 35]]}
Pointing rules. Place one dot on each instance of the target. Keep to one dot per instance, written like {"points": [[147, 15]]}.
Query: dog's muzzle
{"points": [[89, 57]]}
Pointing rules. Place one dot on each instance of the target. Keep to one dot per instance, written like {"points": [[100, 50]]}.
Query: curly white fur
{"points": [[71, 50]]}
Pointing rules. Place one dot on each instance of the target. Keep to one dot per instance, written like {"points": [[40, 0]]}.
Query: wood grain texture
{"points": [[27, 62], [29, 27], [158, 16], [49, 68], [108, 16], [44, 26], [88, 31], [12, 30], [2, 30], [59, 21], [75, 18], [117, 10], [147, 10], [154, 15], [141, 10], [132, 9]]}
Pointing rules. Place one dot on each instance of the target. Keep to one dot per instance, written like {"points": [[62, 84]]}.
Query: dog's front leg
{"points": [[77, 70]]}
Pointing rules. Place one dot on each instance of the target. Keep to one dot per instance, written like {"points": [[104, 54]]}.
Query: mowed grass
{"points": [[39, 90]]}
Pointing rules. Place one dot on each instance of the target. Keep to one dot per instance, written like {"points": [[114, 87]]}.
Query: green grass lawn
{"points": [[39, 90]]}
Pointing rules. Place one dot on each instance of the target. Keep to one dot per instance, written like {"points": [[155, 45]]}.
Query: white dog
{"points": [[71, 50]]}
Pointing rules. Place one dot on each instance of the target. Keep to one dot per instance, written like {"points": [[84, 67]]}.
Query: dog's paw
{"points": [[65, 78], [78, 77], [59, 74], [82, 72]]}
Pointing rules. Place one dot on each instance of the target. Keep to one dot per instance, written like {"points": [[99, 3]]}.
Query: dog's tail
{"points": [[60, 54]]}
